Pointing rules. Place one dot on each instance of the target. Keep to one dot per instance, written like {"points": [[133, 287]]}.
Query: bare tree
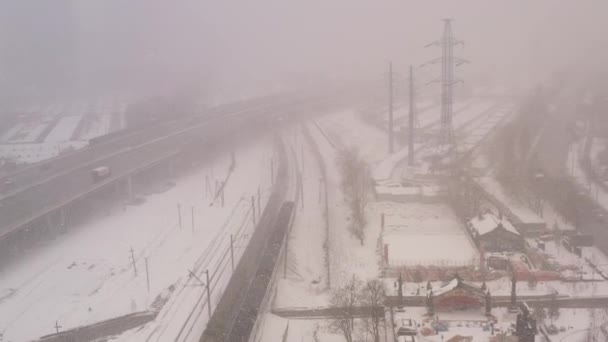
{"points": [[355, 185], [345, 300], [372, 296], [540, 314]]}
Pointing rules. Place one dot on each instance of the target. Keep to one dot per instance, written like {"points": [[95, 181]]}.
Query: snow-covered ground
{"points": [[519, 209], [46, 131], [471, 121], [306, 283], [306, 275], [593, 189], [415, 233], [401, 114], [64, 129], [575, 324], [480, 129], [96, 126], [27, 131], [423, 234], [347, 255], [88, 275], [32, 153], [347, 129]]}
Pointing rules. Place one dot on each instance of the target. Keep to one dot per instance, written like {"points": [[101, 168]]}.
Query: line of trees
{"points": [[355, 186], [350, 298]]}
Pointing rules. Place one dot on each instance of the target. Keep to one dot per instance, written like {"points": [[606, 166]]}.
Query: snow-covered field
{"points": [[64, 129], [594, 190], [347, 255], [46, 131], [305, 260], [347, 129], [469, 123], [480, 129], [494, 188], [88, 275], [423, 234], [32, 153], [27, 132], [96, 126]]}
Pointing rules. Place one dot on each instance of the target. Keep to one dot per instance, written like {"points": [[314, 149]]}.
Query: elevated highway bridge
{"points": [[49, 187]]}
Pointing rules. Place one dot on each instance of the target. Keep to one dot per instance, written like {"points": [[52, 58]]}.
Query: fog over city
{"points": [[159, 45], [303, 170]]}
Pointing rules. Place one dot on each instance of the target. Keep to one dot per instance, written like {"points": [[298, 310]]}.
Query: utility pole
{"points": [[301, 191], [410, 155], [207, 186], [57, 327], [179, 215], [259, 210], [390, 107], [196, 277], [223, 186], [448, 62], [147, 275], [320, 187], [253, 209], [133, 260], [302, 154], [271, 171], [286, 256], [232, 251], [208, 294]]}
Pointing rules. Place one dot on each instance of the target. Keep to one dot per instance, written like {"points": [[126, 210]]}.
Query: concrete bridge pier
{"points": [[49, 226], [63, 213], [130, 187], [118, 189], [171, 168]]}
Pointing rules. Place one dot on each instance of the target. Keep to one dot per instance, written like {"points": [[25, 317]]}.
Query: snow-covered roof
{"points": [[488, 222], [449, 286], [457, 282]]}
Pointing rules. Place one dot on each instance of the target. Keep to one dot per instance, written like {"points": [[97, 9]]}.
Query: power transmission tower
{"points": [[448, 62], [412, 114], [390, 108]]}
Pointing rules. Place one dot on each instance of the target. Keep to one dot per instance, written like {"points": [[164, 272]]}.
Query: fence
{"points": [[429, 262]]}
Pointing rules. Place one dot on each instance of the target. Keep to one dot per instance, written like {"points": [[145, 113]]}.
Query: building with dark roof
{"points": [[495, 234]]}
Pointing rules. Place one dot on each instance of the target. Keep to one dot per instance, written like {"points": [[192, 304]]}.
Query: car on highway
{"points": [[100, 173], [8, 184]]}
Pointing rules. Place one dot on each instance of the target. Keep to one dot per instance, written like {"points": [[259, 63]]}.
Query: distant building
{"points": [[457, 295], [494, 234]]}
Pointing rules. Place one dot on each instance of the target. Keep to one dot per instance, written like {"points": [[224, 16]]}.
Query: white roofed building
{"points": [[495, 234]]}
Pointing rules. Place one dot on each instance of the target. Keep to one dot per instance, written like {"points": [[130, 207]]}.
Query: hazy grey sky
{"points": [[159, 44]]}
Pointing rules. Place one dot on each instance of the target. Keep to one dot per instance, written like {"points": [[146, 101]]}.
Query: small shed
{"points": [[495, 234]]}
